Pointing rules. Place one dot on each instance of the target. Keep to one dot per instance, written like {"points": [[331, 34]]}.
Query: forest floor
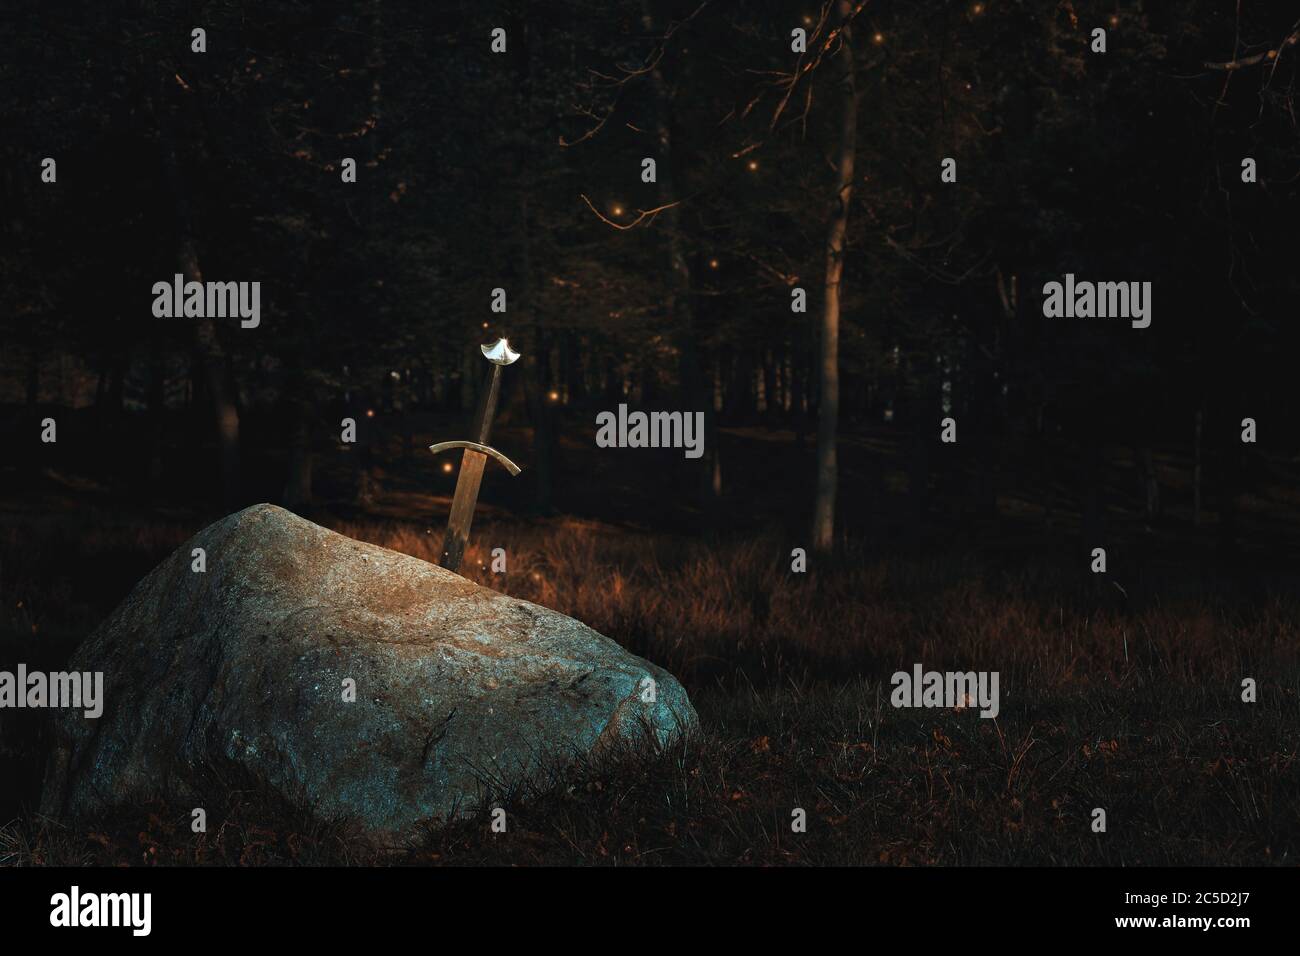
{"points": [[1120, 692]]}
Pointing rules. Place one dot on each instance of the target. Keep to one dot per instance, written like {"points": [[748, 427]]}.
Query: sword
{"points": [[474, 460]]}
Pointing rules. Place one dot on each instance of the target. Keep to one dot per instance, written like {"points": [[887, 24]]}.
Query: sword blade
{"points": [[472, 464]]}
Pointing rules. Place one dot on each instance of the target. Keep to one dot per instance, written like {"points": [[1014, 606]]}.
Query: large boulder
{"points": [[239, 671]]}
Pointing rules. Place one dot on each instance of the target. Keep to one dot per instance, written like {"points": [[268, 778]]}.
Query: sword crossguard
{"points": [[488, 450]]}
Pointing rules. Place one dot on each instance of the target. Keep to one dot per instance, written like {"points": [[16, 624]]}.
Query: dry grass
{"points": [[1127, 702]]}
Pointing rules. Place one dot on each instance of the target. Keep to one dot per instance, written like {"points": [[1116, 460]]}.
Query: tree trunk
{"points": [[1196, 469], [212, 362], [828, 407], [370, 431], [1230, 478], [1151, 486], [298, 482], [210, 357], [918, 410], [33, 376], [771, 388], [536, 357], [681, 280], [1093, 498], [576, 369], [543, 432], [157, 411], [297, 493]]}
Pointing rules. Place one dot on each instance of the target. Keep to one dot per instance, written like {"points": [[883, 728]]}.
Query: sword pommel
{"points": [[499, 353]]}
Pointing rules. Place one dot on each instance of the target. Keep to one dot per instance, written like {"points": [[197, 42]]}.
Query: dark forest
{"points": [[834, 246]]}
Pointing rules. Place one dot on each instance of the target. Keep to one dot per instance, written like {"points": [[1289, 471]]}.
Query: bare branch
{"points": [[646, 215], [1272, 54], [630, 73], [832, 40]]}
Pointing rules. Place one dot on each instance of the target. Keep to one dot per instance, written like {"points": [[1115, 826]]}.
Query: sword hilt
{"points": [[500, 354], [488, 407], [475, 457]]}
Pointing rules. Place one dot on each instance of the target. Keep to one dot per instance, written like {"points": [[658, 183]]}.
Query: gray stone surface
{"points": [[238, 672]]}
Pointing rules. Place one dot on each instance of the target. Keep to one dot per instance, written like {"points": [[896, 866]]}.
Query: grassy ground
{"points": [[1125, 698]]}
